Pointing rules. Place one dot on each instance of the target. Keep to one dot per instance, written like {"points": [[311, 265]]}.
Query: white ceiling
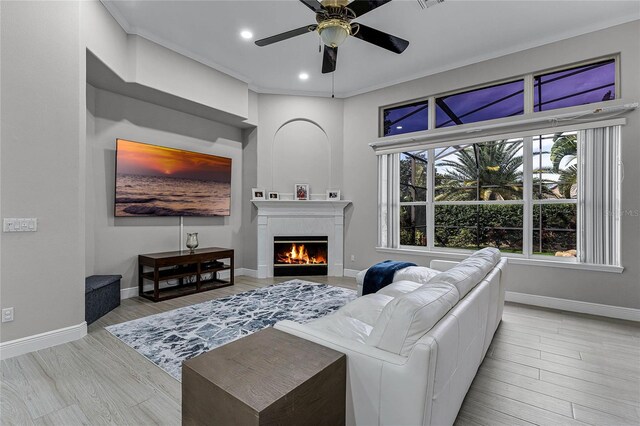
{"points": [[445, 36]]}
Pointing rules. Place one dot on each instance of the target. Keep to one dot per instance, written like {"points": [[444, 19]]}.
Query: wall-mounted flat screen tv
{"points": [[154, 180]]}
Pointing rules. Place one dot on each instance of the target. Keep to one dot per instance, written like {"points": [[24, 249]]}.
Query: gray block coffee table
{"points": [[269, 377]]}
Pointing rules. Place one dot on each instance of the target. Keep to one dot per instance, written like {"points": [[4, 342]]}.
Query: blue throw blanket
{"points": [[381, 275]]}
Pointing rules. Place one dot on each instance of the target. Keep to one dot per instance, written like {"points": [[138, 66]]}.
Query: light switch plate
{"points": [[25, 224], [7, 315]]}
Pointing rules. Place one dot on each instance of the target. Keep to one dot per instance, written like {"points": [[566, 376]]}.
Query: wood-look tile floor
{"points": [[544, 367]]}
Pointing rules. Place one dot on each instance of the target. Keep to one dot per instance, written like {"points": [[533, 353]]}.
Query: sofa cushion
{"points": [[468, 273], [342, 326], [407, 318], [366, 308], [399, 288], [419, 274]]}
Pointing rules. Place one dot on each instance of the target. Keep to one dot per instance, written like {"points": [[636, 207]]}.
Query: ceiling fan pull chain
{"points": [[333, 84]]}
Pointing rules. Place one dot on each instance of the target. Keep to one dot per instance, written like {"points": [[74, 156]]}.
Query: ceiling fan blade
{"points": [[329, 59], [313, 5], [286, 35], [360, 7], [381, 39]]}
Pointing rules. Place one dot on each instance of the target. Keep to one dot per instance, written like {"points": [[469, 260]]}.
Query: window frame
{"points": [[527, 203], [416, 203], [412, 102], [616, 85], [478, 88], [528, 106]]}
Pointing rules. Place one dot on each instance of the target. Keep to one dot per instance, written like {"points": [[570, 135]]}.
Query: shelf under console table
{"points": [[193, 272]]}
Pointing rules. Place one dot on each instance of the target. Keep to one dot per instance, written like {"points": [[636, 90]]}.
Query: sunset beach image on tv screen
{"points": [[158, 181]]}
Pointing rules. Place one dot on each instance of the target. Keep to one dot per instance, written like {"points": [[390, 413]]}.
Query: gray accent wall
{"points": [[42, 165], [113, 243], [300, 140], [360, 173], [57, 156], [249, 212]]}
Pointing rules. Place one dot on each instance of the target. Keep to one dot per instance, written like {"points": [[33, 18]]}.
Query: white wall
{"points": [[44, 171], [137, 60], [249, 212], [44, 163], [113, 244], [299, 141], [361, 127], [42, 133]]}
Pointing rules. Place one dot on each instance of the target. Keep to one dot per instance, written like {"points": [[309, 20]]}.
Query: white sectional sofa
{"points": [[413, 349]]}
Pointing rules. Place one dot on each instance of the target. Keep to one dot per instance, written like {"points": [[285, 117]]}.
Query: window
{"points": [[478, 195], [413, 198], [487, 103], [575, 86], [578, 85], [555, 194], [406, 118], [525, 195]]}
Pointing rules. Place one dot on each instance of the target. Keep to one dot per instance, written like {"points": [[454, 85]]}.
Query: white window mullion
{"points": [[430, 195], [528, 94], [527, 196], [395, 200], [431, 117], [384, 186]]}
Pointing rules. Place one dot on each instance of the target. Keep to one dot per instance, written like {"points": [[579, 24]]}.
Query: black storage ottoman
{"points": [[101, 295]]}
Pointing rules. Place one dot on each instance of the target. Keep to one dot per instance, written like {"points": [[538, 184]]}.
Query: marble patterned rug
{"points": [[171, 337]]}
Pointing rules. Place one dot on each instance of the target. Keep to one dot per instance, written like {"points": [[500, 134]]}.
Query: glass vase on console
{"points": [[192, 241]]}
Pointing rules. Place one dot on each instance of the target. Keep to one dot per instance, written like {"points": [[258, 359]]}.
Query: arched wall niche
{"points": [[301, 153]]}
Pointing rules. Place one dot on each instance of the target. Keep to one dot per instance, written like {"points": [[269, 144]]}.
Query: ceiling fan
{"points": [[334, 25]]}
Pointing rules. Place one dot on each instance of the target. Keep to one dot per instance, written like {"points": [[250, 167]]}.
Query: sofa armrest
{"points": [[373, 372], [365, 366]]}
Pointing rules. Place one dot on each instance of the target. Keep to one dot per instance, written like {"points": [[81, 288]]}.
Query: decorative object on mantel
{"points": [[257, 194], [301, 191], [192, 241], [333, 194], [274, 196]]}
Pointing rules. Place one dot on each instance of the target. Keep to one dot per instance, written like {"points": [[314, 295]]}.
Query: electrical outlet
{"points": [[7, 314], [353, 257]]}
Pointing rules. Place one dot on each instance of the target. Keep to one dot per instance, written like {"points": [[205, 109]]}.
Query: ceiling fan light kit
{"points": [[334, 31], [334, 26]]}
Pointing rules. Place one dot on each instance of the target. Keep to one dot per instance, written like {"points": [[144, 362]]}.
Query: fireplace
{"points": [[304, 255]]}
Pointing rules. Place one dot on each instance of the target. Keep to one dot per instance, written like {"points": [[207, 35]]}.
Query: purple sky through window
{"points": [[488, 103], [412, 123], [575, 86]]}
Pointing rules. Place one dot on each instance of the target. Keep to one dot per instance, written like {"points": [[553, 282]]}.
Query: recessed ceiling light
{"points": [[246, 34], [399, 127], [303, 76]]}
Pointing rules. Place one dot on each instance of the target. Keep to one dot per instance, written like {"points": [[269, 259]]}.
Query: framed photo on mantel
{"points": [[257, 194], [301, 191], [333, 194]]}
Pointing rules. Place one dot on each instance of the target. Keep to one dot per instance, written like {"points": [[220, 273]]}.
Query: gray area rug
{"points": [[171, 337]]}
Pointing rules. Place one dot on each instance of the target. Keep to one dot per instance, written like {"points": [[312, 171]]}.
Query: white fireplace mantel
{"points": [[301, 218]]}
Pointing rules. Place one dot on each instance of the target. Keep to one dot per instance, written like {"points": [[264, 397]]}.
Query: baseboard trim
{"points": [[351, 272], [130, 292], [609, 311], [42, 341], [127, 293], [247, 272]]}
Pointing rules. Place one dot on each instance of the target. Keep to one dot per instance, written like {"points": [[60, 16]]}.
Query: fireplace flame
{"points": [[298, 255]]}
